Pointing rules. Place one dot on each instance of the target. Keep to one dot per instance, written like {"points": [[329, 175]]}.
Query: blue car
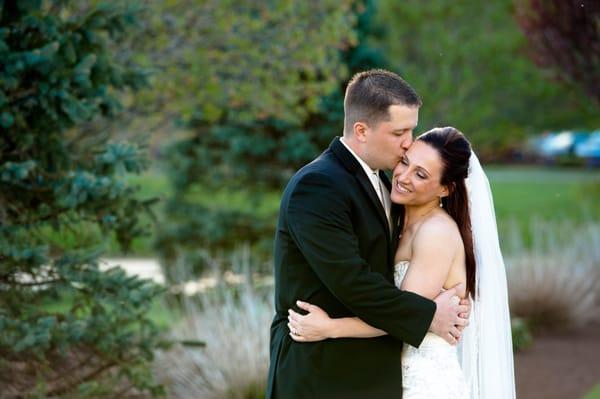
{"points": [[590, 148], [560, 144]]}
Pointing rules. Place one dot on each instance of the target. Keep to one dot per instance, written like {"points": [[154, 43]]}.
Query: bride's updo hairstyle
{"points": [[455, 151]]}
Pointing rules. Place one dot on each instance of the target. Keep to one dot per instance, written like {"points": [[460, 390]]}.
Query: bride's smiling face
{"points": [[417, 178]]}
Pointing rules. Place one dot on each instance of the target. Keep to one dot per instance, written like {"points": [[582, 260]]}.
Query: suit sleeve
{"points": [[319, 221]]}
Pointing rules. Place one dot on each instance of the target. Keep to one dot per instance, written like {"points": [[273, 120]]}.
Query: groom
{"points": [[334, 247]]}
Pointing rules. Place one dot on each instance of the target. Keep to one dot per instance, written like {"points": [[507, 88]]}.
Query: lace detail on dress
{"points": [[430, 371]]}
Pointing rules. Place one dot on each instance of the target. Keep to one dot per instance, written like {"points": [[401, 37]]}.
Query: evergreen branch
{"points": [[21, 95], [69, 386]]}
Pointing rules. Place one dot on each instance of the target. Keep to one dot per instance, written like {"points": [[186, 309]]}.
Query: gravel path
{"points": [[559, 366], [142, 267]]}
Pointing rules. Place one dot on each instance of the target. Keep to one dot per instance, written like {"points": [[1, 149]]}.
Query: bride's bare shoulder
{"points": [[439, 226]]}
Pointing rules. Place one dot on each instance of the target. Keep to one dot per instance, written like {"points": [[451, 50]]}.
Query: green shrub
{"points": [[594, 393], [521, 334], [61, 195]]}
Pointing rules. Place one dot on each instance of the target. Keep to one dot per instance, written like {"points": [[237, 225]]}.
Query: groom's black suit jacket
{"points": [[333, 249]]}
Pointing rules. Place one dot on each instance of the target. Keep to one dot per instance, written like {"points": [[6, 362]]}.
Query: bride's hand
{"points": [[316, 325]]}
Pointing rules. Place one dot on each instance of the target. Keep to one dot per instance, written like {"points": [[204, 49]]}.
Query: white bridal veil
{"points": [[485, 350]]}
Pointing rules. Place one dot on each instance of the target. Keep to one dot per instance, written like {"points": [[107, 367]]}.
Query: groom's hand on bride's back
{"points": [[451, 315]]}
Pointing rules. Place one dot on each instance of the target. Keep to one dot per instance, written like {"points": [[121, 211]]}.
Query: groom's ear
{"points": [[360, 131]]}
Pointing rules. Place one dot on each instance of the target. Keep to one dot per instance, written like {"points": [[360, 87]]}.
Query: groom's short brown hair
{"points": [[369, 94]]}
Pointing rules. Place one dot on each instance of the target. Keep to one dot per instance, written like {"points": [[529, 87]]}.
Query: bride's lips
{"points": [[401, 189]]}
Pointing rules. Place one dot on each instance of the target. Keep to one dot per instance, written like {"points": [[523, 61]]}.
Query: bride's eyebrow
{"points": [[424, 170]]}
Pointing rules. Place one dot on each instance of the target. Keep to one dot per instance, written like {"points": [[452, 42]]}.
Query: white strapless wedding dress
{"points": [[432, 370]]}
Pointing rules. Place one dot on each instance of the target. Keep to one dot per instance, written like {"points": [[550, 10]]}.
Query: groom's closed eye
{"points": [[401, 132]]}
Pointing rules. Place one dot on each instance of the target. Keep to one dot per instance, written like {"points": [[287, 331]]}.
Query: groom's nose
{"points": [[407, 142]]}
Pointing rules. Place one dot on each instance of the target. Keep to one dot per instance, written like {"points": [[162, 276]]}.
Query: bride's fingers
{"points": [[292, 311], [295, 323], [294, 316], [294, 329], [460, 321], [305, 306], [298, 338]]}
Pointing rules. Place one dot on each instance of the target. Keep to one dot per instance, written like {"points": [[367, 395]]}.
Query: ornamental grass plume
{"points": [[234, 325], [556, 283]]}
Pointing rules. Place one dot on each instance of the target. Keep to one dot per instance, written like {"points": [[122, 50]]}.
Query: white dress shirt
{"points": [[378, 186]]}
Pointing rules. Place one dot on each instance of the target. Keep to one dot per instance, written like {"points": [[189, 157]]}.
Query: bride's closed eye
{"points": [[418, 173]]}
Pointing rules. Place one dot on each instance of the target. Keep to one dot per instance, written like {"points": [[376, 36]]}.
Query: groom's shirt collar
{"points": [[373, 174], [362, 163]]}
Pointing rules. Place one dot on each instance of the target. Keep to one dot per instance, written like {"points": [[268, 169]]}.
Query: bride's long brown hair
{"points": [[455, 151]]}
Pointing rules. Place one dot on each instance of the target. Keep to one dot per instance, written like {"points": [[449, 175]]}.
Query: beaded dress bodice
{"points": [[432, 370]]}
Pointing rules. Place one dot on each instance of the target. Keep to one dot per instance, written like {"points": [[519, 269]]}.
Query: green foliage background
{"points": [[469, 62], [265, 78], [61, 177], [233, 97]]}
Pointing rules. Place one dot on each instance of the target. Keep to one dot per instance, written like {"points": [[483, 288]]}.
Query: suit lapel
{"points": [[352, 165], [398, 220], [397, 215], [365, 183], [388, 185]]}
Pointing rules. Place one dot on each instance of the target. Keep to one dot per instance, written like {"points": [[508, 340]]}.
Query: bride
{"points": [[449, 236]]}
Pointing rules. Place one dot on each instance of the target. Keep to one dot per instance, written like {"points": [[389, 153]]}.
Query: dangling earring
{"points": [[441, 204]]}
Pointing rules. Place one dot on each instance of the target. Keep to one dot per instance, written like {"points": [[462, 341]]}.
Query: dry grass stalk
{"points": [[235, 360], [556, 284]]}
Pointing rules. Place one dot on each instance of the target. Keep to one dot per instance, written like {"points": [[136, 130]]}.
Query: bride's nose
{"points": [[403, 177], [401, 173]]}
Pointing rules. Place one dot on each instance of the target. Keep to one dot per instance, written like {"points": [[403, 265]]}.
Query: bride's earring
{"points": [[441, 204]]}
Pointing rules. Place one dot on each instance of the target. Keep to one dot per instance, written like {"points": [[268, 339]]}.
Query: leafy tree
{"points": [[67, 327], [467, 61], [248, 78], [564, 37]]}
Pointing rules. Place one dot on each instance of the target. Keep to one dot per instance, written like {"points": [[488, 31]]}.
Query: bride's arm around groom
{"points": [[333, 250]]}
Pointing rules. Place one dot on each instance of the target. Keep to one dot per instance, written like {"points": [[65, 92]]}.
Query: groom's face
{"points": [[388, 140]]}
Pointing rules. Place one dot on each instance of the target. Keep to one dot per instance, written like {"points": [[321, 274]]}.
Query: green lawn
{"points": [[547, 193], [521, 193], [594, 393]]}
